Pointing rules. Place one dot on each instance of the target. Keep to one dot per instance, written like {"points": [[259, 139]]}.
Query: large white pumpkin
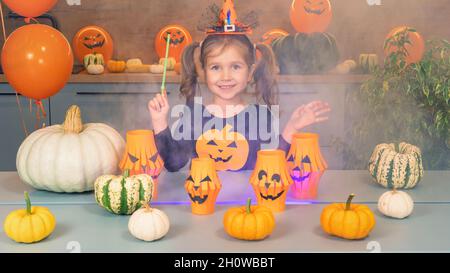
{"points": [[148, 224], [69, 157], [396, 204]]}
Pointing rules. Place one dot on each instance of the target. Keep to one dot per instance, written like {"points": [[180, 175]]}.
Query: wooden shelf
{"points": [[172, 77]]}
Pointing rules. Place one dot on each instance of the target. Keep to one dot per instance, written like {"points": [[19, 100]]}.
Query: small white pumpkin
{"points": [[156, 68], [148, 224], [396, 204], [95, 69]]}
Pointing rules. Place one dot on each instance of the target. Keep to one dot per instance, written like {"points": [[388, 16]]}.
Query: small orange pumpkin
{"points": [[116, 66], [203, 185], [249, 222], [228, 149], [348, 221], [179, 39], [308, 16]]}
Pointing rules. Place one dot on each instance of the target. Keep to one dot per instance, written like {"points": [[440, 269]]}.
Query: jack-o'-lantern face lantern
{"points": [[228, 149], [306, 165], [308, 16], [93, 39], [270, 179], [203, 186], [179, 39], [414, 45]]}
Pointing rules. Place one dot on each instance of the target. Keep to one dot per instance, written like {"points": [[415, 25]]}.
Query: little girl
{"points": [[231, 131]]}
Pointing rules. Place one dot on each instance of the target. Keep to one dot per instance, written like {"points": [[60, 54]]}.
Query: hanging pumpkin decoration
{"points": [[123, 194], [271, 180], [348, 221], [142, 157], [400, 167], [306, 165], [69, 157], [272, 35], [396, 204], [249, 222], [94, 63], [116, 66], [92, 39], [179, 39], [308, 16], [228, 149], [148, 224], [302, 53], [415, 47], [203, 186], [29, 225]]}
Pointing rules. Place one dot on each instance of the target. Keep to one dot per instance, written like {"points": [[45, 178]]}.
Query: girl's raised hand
{"points": [[159, 110], [311, 113]]}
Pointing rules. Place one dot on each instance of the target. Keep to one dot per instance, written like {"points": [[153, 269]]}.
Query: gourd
{"points": [[249, 222], [116, 66], [156, 68], [123, 194], [148, 224], [170, 63], [400, 167], [396, 204], [69, 157], [29, 225], [94, 63], [368, 62]]}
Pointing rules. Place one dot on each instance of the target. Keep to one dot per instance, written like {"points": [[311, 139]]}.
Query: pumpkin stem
{"points": [[126, 173], [28, 202], [146, 206], [349, 201], [248, 207], [394, 189], [73, 122]]}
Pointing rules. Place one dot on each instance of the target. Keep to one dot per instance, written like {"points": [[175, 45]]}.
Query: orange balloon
{"points": [[308, 16], [179, 39], [415, 50], [92, 39], [37, 61], [30, 8], [273, 34]]}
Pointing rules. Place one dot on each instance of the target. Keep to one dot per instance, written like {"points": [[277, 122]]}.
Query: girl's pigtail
{"points": [[188, 73], [265, 76]]}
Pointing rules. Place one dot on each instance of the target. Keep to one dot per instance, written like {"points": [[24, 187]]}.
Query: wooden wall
{"points": [[357, 26]]}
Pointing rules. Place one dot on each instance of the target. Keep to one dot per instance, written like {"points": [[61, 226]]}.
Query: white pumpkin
{"points": [[69, 157], [148, 224], [396, 204]]}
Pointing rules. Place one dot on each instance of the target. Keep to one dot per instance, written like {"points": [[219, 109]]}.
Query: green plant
{"points": [[402, 102]]}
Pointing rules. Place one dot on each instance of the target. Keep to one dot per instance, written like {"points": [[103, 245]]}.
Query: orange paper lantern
{"points": [[179, 39], [306, 165], [271, 180], [308, 16], [30, 8], [93, 39], [203, 186], [37, 61], [141, 156], [415, 49]]}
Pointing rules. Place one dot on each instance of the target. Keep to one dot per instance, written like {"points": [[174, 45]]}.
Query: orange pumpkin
{"points": [[177, 68], [271, 180], [415, 49], [203, 186], [179, 39], [306, 165], [141, 156], [228, 149], [308, 16], [273, 34], [92, 39]]}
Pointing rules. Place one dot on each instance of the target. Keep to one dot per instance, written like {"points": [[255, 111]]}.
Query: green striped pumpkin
{"points": [[123, 194], [399, 168]]}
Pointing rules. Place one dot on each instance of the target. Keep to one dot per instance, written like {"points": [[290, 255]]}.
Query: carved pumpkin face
{"points": [[228, 149], [203, 186], [93, 39], [415, 49], [305, 164], [270, 179], [141, 155], [309, 16], [273, 34], [179, 39]]}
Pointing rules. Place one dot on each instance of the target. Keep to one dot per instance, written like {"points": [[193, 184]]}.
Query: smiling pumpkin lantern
{"points": [[203, 186], [179, 39], [306, 165], [271, 180], [309, 16]]}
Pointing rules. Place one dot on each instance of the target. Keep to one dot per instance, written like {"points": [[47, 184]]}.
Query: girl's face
{"points": [[227, 73]]}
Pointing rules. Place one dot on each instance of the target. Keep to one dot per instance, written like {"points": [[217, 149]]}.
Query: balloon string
{"points": [[24, 126], [3, 23], [29, 19], [40, 107]]}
